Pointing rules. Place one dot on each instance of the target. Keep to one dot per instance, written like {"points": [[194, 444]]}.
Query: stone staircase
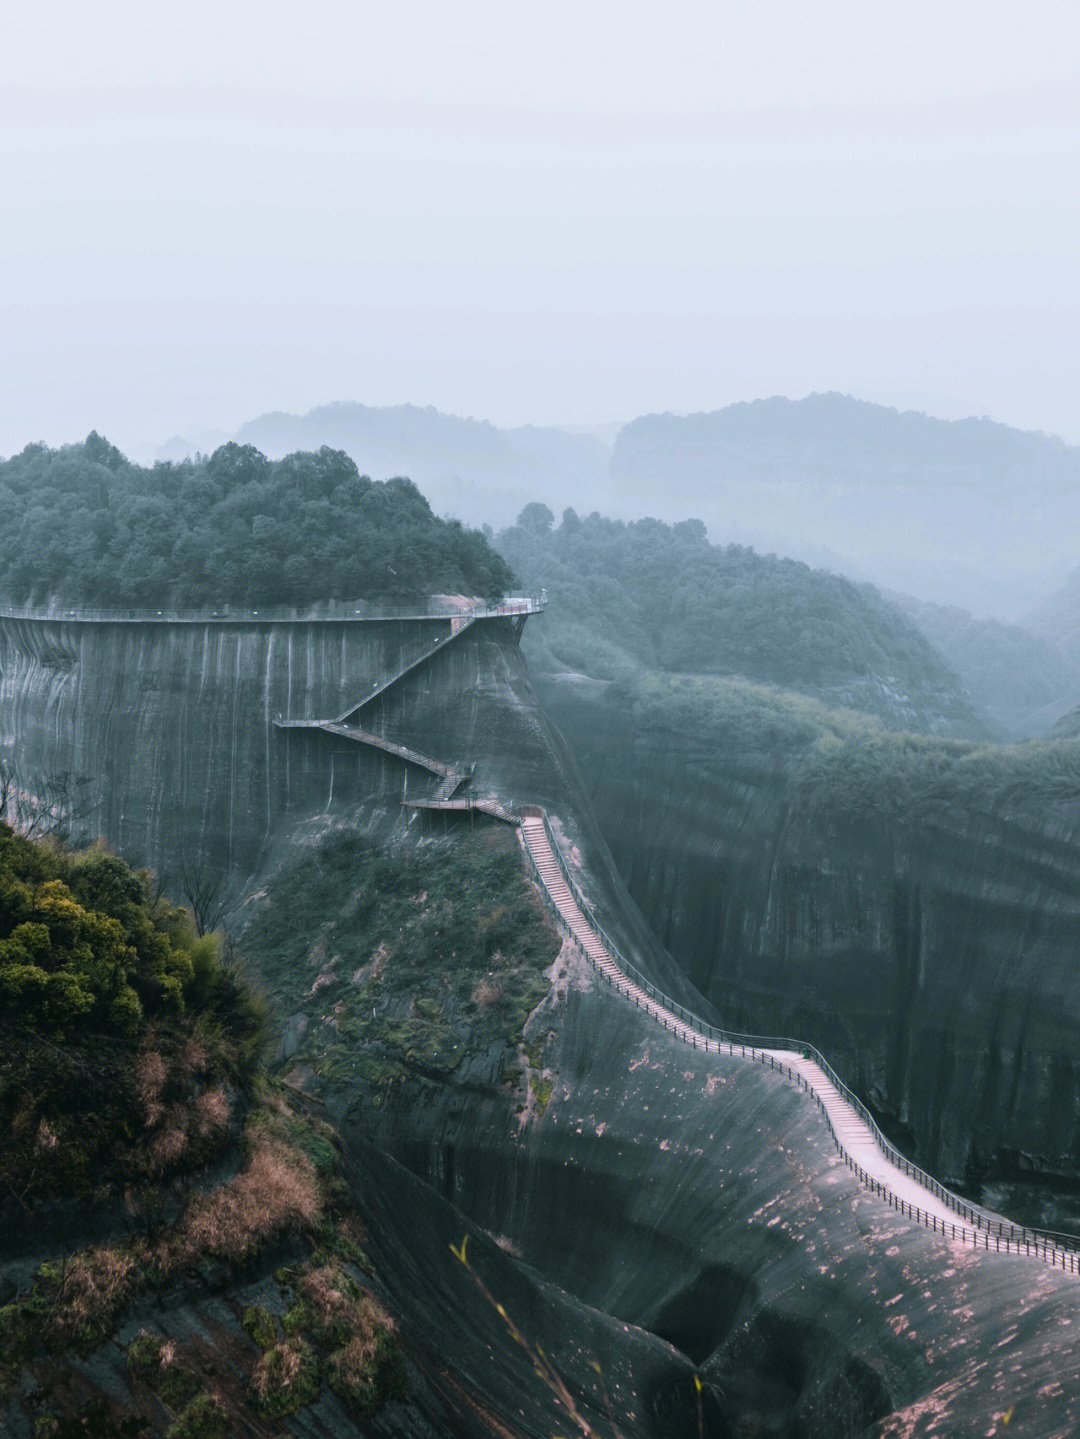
{"points": [[880, 1168]]}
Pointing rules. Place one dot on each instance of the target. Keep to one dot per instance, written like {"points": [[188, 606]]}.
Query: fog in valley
{"points": [[539, 720], [585, 259]]}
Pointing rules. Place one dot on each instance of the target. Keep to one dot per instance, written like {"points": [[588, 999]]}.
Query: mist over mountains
{"points": [[967, 513], [471, 468]]}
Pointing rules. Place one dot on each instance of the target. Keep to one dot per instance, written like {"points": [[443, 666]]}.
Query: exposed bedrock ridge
{"points": [[700, 1199], [161, 737], [932, 959]]}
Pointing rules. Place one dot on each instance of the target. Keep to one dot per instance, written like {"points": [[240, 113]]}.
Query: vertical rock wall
{"points": [[160, 736], [933, 955]]}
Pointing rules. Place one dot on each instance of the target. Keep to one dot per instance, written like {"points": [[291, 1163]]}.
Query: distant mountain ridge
{"points": [[825, 427], [961, 512], [968, 513], [471, 467]]}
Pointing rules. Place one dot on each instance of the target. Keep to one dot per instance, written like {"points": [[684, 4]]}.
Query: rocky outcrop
{"points": [[699, 1202], [646, 1210], [160, 736], [926, 944]]}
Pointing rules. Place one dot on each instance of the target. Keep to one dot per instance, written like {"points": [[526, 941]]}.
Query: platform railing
{"points": [[338, 610], [987, 1230]]}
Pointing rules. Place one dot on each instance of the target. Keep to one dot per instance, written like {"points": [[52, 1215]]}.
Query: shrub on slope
{"points": [[119, 1026]]}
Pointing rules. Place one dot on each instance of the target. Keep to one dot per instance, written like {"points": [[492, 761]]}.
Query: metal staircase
{"points": [[458, 625]]}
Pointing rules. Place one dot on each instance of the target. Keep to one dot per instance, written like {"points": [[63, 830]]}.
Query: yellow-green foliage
{"points": [[122, 1032], [83, 948], [259, 1323], [542, 1088]]}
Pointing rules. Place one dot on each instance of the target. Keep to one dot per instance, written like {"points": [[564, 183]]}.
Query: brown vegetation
{"points": [[276, 1190], [150, 1076], [278, 1368], [93, 1284], [212, 1113], [487, 990]]}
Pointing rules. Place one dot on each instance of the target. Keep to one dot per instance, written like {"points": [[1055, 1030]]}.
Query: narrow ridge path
{"points": [[855, 1139]]}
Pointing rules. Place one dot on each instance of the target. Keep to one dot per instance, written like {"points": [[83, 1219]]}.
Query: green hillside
{"points": [[84, 525], [645, 595]]}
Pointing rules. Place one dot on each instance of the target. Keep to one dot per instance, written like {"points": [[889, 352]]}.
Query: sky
{"points": [[569, 214]]}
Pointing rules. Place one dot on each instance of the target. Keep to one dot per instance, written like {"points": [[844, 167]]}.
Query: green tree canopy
{"points": [[83, 525], [646, 594]]}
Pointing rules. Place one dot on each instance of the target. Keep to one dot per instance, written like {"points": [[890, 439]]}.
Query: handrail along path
{"points": [[877, 1164]]}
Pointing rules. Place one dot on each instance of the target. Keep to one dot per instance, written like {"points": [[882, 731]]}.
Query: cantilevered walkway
{"points": [[451, 779], [516, 607], [875, 1162]]}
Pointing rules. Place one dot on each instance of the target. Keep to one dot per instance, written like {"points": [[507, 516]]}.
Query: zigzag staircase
{"points": [[458, 625], [450, 778]]}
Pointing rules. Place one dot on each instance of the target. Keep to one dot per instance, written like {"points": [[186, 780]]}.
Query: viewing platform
{"points": [[471, 804], [438, 607]]}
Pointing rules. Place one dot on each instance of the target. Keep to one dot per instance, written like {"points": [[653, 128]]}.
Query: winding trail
{"points": [[875, 1163]]}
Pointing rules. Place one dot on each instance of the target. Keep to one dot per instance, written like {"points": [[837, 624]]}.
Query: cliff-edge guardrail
{"points": [[868, 1154], [510, 607]]}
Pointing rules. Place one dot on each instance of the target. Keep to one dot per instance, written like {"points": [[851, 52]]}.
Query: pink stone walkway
{"points": [[855, 1138]]}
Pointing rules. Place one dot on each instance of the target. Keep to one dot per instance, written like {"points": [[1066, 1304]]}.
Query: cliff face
{"points": [[163, 734], [676, 1218], [700, 1204], [161, 737], [929, 951]]}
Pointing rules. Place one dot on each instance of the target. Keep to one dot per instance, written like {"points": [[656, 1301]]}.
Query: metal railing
{"points": [[988, 1230], [346, 610]]}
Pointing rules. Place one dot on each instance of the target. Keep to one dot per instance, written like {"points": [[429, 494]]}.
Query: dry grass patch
{"points": [[194, 1058], [212, 1113], [92, 1287], [286, 1377], [170, 1144], [368, 1369], [150, 1076], [488, 990], [330, 1297], [277, 1190]]}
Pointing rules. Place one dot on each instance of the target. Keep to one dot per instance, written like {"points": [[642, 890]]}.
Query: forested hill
{"points": [[839, 434], [1023, 680], [479, 471], [83, 524], [623, 597], [966, 513]]}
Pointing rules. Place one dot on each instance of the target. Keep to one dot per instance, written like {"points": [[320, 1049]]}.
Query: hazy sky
{"points": [[561, 213]]}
